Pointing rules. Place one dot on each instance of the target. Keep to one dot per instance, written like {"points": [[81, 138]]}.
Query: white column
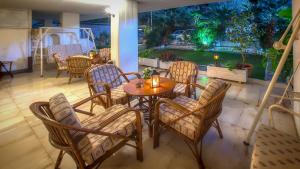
{"points": [[70, 20], [124, 35], [296, 7]]}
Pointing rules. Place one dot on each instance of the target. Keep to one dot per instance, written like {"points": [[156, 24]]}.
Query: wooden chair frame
{"points": [[77, 66], [60, 138], [107, 87], [212, 111], [189, 91], [59, 68]]}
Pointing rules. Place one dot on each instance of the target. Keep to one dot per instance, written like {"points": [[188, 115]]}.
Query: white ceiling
{"points": [[149, 5], [94, 7]]}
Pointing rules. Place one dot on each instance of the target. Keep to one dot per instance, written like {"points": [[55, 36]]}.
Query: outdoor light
{"points": [[108, 10], [155, 79], [216, 59]]}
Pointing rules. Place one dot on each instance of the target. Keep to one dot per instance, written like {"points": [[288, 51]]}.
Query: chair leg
{"points": [[139, 143], [199, 158], [219, 129], [58, 73], [92, 107], [128, 101], [70, 79], [59, 159], [156, 134]]}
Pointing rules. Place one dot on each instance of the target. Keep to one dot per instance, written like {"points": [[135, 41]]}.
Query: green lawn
{"points": [[206, 58]]}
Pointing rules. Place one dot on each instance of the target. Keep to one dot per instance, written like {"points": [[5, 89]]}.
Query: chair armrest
{"points": [[174, 105], [76, 105], [98, 131], [197, 86], [133, 73]]}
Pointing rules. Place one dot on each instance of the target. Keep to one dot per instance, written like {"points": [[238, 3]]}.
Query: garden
{"points": [[240, 33]]}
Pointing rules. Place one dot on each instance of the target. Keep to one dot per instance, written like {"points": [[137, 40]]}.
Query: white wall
{"points": [[296, 7], [15, 36]]}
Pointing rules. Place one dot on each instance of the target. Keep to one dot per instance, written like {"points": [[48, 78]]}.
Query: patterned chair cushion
{"points": [[179, 89], [94, 146], [105, 74], [64, 113], [186, 126], [210, 91], [118, 95], [275, 150]]}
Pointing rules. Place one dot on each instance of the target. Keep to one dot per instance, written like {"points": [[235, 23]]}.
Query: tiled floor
{"points": [[24, 141]]}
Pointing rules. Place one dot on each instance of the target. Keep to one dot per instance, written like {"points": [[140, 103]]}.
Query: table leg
{"points": [[150, 116]]}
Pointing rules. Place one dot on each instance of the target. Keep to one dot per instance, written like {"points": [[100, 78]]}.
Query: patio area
{"points": [[24, 140]]}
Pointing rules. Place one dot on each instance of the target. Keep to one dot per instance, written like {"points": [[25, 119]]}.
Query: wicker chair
{"points": [[91, 141], [107, 78], [183, 73], [61, 64], [77, 66], [105, 54], [189, 118]]}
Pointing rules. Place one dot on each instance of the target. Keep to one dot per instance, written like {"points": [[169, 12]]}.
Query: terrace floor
{"points": [[24, 140]]}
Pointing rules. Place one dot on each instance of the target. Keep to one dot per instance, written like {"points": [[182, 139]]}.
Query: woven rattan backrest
{"points": [[105, 53], [212, 110], [78, 64], [181, 71], [107, 73]]}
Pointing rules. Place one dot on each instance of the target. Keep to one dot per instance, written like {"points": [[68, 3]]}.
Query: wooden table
{"points": [[149, 95]]}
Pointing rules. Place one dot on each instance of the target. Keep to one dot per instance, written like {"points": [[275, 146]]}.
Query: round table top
{"points": [[166, 85]]}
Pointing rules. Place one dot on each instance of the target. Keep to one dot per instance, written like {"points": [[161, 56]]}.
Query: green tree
{"points": [[243, 32], [206, 31]]}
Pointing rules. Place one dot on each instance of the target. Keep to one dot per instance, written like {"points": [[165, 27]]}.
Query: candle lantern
{"points": [[155, 79], [216, 59]]}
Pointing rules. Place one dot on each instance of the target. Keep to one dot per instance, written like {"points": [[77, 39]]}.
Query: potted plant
{"points": [[166, 59], [243, 32], [227, 72], [146, 58]]}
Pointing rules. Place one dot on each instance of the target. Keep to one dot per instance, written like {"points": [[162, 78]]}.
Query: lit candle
{"points": [[155, 79]]}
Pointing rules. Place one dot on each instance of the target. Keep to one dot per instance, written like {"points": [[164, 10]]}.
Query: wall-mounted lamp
{"points": [[109, 11]]}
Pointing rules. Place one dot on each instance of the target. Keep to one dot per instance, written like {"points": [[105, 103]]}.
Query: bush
{"points": [[147, 53], [168, 56]]}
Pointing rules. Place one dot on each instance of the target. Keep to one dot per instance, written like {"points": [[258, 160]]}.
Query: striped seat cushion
{"points": [[210, 91], [179, 89], [94, 146], [275, 150], [118, 96], [186, 126], [63, 112]]}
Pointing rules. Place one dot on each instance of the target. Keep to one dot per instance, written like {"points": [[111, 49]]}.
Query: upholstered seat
{"points": [[94, 146], [89, 142], [180, 89], [183, 73], [186, 125], [191, 118], [110, 79]]}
